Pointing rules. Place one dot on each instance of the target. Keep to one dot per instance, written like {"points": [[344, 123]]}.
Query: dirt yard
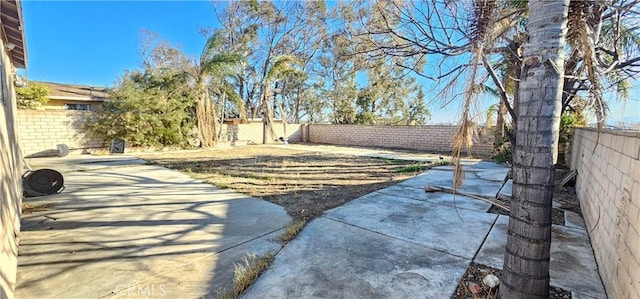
{"points": [[304, 183]]}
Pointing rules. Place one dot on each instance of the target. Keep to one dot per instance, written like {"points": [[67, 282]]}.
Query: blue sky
{"points": [[94, 42]]}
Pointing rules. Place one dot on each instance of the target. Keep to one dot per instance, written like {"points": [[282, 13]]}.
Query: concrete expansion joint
{"points": [[395, 238], [250, 240], [484, 239]]}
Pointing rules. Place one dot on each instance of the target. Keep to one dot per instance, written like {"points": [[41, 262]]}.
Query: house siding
{"points": [[10, 186], [55, 104]]}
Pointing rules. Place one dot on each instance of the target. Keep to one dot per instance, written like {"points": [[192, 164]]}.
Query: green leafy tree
{"points": [[147, 108], [32, 96]]}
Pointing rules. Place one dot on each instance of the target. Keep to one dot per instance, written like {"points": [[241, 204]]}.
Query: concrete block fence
{"points": [[41, 130], [433, 138], [608, 187]]}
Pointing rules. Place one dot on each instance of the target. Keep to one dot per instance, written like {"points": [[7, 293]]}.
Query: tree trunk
{"points": [[222, 112], [267, 117], [284, 121], [205, 114], [526, 261]]}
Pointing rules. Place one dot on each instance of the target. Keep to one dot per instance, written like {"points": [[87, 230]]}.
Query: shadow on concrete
{"points": [[139, 231]]}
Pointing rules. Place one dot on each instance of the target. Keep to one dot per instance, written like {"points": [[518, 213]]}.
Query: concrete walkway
{"points": [[401, 242], [123, 229]]}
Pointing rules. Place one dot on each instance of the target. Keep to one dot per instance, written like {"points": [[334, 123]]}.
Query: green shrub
{"points": [[568, 121], [147, 109], [502, 153], [32, 96]]}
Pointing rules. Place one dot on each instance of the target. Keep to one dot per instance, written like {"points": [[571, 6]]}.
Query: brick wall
{"points": [[433, 138], [608, 187], [10, 180], [42, 130]]}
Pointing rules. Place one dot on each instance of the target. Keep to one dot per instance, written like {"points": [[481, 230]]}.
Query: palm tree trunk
{"points": [[526, 262], [222, 112], [205, 114], [266, 112], [284, 120]]}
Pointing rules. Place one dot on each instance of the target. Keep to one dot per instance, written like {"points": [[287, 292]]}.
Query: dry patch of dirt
{"points": [[304, 183], [474, 280], [31, 208]]}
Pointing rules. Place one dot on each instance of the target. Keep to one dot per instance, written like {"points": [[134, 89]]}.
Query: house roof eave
{"points": [[13, 31]]}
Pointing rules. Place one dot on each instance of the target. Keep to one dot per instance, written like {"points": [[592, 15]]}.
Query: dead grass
{"points": [[292, 230], [304, 183], [30, 208], [246, 272]]}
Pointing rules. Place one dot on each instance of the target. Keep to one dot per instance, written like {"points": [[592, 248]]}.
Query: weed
{"points": [[249, 176], [292, 230], [502, 153], [246, 273], [30, 208], [221, 185], [393, 161], [420, 167], [412, 168]]}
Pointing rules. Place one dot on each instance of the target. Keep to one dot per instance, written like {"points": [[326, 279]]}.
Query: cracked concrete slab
{"points": [[458, 201], [573, 266], [128, 230], [574, 220], [472, 183], [330, 259], [506, 192], [432, 225]]}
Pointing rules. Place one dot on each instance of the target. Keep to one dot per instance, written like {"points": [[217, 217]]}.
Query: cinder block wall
{"points": [[608, 187], [42, 130], [10, 181], [252, 132], [434, 138]]}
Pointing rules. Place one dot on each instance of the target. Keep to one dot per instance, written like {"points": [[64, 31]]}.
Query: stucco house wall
{"points": [[12, 54], [10, 180], [55, 104]]}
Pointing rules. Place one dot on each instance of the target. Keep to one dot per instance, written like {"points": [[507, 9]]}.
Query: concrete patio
{"points": [[124, 229], [129, 230], [401, 242]]}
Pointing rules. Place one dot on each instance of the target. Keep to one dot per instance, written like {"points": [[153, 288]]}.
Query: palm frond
{"points": [[580, 36], [214, 60], [211, 46], [283, 65], [222, 64], [235, 98]]}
